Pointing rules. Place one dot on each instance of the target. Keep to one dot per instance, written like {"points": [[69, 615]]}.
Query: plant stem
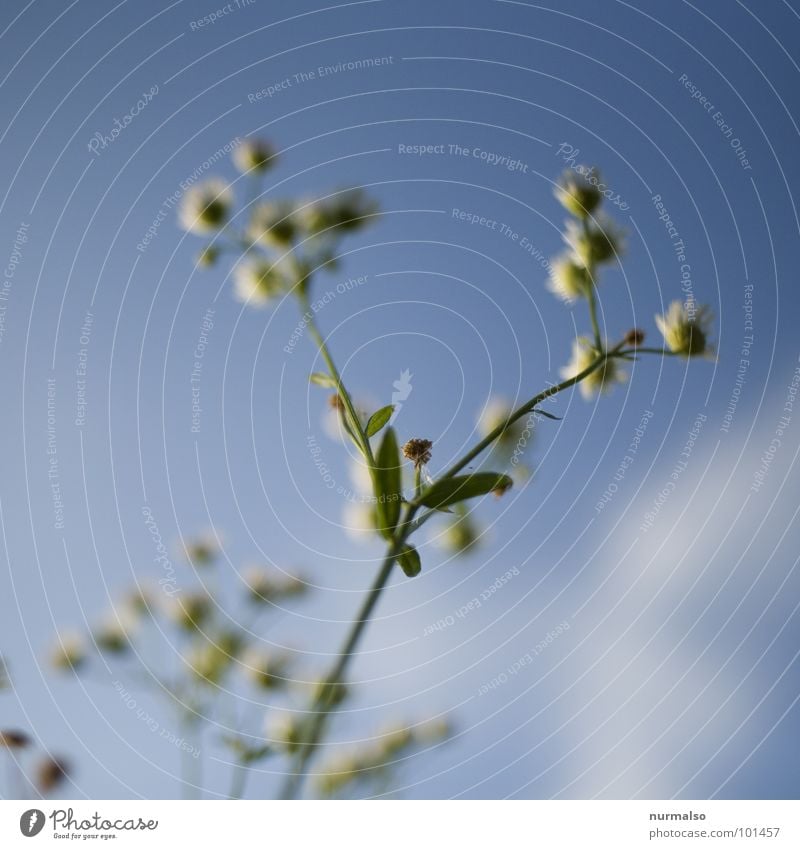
{"points": [[240, 773], [590, 268], [323, 707], [319, 341]]}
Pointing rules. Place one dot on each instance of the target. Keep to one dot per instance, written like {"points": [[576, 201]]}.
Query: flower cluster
{"points": [[593, 240], [281, 243]]}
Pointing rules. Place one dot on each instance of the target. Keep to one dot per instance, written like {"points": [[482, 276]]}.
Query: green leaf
{"points": [[322, 379], [409, 561], [547, 415], [379, 419], [390, 483], [449, 491]]}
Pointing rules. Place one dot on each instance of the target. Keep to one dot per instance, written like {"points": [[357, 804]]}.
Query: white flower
{"points": [[254, 155], [685, 328], [258, 281], [601, 379], [577, 191], [69, 652], [273, 224], [358, 518], [205, 208], [600, 241], [569, 280]]}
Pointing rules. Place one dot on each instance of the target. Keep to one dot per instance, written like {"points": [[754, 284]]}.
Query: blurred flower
{"points": [[272, 586], [69, 652], [331, 695], [202, 550], [208, 256], [634, 337], [50, 773], [273, 224], [113, 634], [601, 241], [190, 610], [208, 661], [206, 207], [462, 532], [601, 379], [359, 519], [577, 190], [285, 730], [348, 210], [685, 328], [258, 281], [569, 280], [495, 413], [12, 739], [254, 155], [266, 669]]}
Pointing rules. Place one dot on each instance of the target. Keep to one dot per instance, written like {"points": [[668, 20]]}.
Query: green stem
{"points": [[323, 707], [590, 268], [240, 773], [319, 341]]}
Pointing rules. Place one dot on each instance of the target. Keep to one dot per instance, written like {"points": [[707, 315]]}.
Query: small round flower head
{"points": [[13, 739], [50, 773], [418, 451], [600, 242], [685, 328], [569, 280], [496, 413], [69, 652], [274, 224], [577, 191], [254, 155], [602, 379], [461, 535], [259, 281], [206, 207], [348, 210]]}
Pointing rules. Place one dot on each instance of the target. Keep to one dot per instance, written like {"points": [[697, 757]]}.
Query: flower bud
{"points": [[208, 256], [596, 243], [274, 224], [257, 282], [50, 773], [569, 280], [13, 739], [634, 337]]}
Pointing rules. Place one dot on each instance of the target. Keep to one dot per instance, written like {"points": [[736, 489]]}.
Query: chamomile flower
{"points": [[254, 155], [598, 242], [274, 224], [685, 328], [577, 191], [569, 279], [256, 282], [69, 651], [602, 379], [206, 207]]}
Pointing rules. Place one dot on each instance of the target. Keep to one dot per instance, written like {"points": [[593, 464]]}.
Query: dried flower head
{"points": [[418, 451], [601, 379], [206, 207], [577, 191], [254, 155], [634, 337], [50, 773], [685, 328], [12, 739], [569, 280]]}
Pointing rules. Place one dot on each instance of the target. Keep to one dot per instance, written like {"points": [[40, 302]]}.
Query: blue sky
{"points": [[677, 675]]}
